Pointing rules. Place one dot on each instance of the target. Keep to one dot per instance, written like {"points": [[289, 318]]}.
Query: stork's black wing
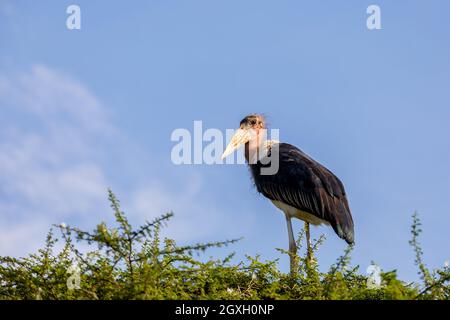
{"points": [[305, 184]]}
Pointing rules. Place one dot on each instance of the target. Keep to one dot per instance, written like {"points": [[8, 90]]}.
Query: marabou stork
{"points": [[302, 188]]}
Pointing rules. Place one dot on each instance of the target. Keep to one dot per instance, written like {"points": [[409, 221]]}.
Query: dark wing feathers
{"points": [[305, 184]]}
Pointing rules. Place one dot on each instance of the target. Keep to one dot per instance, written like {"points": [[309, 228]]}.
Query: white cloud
{"points": [[195, 217], [48, 167], [23, 238], [52, 97], [52, 130]]}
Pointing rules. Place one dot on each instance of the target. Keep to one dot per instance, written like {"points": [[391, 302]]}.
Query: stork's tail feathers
{"points": [[343, 225], [347, 234]]}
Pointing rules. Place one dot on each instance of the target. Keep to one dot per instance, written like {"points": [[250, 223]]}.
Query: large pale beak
{"points": [[241, 136]]}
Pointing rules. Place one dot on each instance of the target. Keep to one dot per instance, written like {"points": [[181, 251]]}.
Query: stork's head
{"points": [[250, 133]]}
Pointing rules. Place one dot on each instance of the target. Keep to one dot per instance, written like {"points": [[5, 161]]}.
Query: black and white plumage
{"points": [[306, 185], [301, 187]]}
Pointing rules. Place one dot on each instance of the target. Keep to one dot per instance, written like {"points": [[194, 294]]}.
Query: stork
{"points": [[302, 188]]}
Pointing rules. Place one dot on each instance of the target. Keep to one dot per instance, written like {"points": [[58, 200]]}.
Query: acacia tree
{"points": [[123, 262]]}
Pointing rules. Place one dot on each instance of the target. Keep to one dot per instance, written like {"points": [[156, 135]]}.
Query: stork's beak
{"points": [[241, 137]]}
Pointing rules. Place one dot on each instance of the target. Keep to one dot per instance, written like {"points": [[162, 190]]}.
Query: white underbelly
{"points": [[296, 213]]}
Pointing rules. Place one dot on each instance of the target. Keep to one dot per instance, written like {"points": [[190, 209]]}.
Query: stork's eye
{"points": [[253, 122]]}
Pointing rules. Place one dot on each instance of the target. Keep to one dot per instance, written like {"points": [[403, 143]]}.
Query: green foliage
{"points": [[126, 263]]}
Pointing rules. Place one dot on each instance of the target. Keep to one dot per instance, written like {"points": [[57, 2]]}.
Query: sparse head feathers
{"points": [[253, 120]]}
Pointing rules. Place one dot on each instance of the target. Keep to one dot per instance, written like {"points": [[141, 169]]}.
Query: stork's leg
{"points": [[308, 244], [292, 245]]}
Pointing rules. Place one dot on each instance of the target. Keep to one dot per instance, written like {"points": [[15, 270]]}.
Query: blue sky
{"points": [[88, 109]]}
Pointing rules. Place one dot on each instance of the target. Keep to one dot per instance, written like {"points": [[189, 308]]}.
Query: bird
{"points": [[301, 187]]}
